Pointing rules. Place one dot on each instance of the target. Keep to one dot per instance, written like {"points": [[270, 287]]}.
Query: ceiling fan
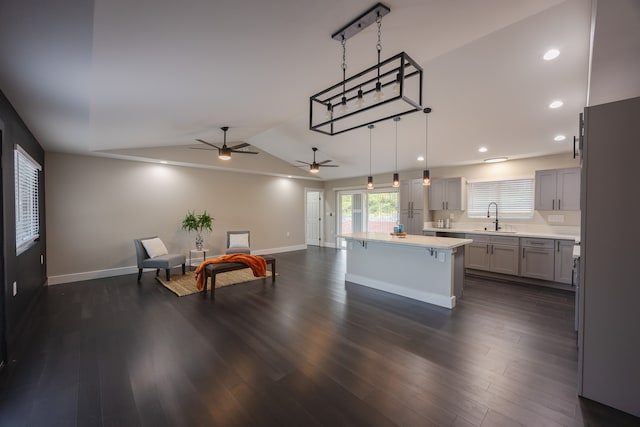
{"points": [[224, 152], [315, 166]]}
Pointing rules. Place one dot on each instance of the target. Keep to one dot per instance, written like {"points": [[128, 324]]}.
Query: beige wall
{"points": [[95, 207], [510, 169]]}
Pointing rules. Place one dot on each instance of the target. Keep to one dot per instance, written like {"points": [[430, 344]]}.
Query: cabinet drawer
{"points": [[537, 243], [505, 240], [479, 238]]}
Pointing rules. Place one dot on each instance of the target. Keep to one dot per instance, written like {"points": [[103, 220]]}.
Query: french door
{"points": [[363, 210]]}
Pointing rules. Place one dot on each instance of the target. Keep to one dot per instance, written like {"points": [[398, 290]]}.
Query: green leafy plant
{"points": [[198, 223]]}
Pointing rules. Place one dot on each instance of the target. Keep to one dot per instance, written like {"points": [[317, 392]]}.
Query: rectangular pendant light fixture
{"points": [[388, 89]]}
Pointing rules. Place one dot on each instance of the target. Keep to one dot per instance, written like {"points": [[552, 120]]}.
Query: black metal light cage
{"points": [[400, 69]]}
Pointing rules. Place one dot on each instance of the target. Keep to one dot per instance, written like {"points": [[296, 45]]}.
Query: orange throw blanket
{"points": [[257, 264]]}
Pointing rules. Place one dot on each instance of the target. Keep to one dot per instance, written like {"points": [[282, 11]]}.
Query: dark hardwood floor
{"points": [[309, 351]]}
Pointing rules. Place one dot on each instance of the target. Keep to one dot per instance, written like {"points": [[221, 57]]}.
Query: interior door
{"points": [[313, 222]]}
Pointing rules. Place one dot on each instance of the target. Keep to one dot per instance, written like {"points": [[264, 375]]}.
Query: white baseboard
{"points": [[121, 271]]}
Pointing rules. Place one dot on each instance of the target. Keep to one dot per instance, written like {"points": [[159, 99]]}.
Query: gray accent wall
{"points": [[97, 206], [24, 269]]}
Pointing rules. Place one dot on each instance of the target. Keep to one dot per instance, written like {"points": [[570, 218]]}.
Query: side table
{"points": [[194, 257]]}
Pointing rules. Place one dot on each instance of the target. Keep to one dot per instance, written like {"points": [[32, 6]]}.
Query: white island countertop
{"points": [[409, 240]]}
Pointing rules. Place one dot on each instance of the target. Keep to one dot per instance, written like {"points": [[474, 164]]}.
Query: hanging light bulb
{"points": [[360, 102], [426, 179], [378, 95], [224, 153], [370, 177], [329, 114], [396, 85], [396, 177], [314, 168]]}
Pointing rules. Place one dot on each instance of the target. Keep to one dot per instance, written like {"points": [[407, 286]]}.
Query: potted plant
{"points": [[198, 223]]}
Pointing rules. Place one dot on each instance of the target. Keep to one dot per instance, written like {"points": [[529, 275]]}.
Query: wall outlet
{"points": [[15, 288]]}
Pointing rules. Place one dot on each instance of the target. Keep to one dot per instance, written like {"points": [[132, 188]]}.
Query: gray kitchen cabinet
{"points": [[564, 261], [538, 258], [412, 206], [558, 190], [476, 254], [498, 254], [447, 194], [429, 233]]}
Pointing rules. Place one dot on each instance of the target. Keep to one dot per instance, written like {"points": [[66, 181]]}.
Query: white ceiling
{"points": [[144, 79]]}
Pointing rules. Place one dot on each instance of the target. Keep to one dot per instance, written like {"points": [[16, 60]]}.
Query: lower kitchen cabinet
{"points": [[538, 259], [497, 254], [564, 261]]}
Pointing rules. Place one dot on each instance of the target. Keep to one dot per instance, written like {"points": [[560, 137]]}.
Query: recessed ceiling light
{"points": [[556, 104], [559, 138], [483, 149], [551, 54], [164, 162], [420, 159], [289, 176], [496, 160]]}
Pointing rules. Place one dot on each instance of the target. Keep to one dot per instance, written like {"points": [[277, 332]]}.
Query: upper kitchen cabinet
{"points": [[558, 190], [411, 195], [447, 194], [412, 205]]}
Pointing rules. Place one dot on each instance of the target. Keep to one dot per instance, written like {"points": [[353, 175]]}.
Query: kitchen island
{"points": [[429, 269]]}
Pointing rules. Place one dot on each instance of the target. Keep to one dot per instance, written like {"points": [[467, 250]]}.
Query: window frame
{"points": [[27, 199]]}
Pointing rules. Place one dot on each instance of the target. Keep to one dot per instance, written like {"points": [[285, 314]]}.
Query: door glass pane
{"points": [[346, 213], [382, 211]]}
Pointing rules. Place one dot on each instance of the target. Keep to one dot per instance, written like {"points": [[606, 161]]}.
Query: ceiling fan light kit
{"points": [[315, 166], [224, 152], [360, 100]]}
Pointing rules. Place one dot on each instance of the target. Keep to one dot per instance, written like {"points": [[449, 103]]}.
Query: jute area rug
{"points": [[186, 285]]}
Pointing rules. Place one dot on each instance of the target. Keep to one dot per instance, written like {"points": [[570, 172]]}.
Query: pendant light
{"points": [[344, 108], [426, 179], [396, 176], [370, 177]]}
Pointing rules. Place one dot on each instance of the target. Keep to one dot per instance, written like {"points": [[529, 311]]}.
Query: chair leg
{"points": [[139, 274], [157, 272], [168, 274], [184, 269]]}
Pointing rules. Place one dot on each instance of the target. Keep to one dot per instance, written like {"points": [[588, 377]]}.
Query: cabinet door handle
{"points": [[487, 249], [491, 249], [447, 205], [522, 252], [553, 204], [558, 204], [558, 245], [442, 205]]}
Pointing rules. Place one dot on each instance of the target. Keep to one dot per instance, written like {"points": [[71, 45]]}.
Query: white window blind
{"points": [[514, 197], [27, 201]]}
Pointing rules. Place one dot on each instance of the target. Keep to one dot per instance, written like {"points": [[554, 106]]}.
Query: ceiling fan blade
{"points": [[209, 144], [199, 148], [243, 152], [303, 162], [241, 145], [324, 162], [330, 166]]}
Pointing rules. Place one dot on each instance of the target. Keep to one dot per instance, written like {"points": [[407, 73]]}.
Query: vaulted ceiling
{"points": [[143, 79]]}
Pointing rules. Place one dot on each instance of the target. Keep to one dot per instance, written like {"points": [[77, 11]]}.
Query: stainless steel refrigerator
{"points": [[609, 321]]}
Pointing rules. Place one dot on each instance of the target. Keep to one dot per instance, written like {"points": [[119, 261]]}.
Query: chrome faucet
{"points": [[489, 214]]}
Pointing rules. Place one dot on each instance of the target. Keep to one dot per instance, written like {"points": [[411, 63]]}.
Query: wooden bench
{"points": [[211, 270]]}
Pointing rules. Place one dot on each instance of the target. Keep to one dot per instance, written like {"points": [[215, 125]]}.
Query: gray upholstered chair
{"points": [[238, 242], [161, 260]]}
